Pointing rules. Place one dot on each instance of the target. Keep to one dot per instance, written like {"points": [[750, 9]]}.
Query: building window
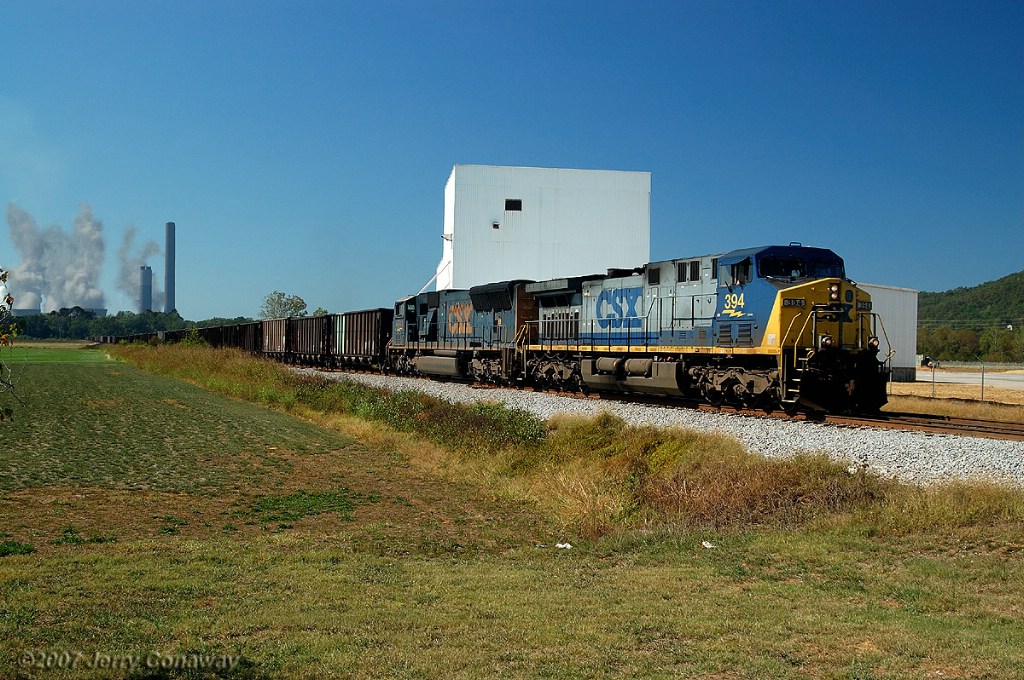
{"points": [[513, 205]]}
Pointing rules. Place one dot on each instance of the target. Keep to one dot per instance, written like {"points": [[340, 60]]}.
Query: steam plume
{"points": [[128, 267], [63, 268]]}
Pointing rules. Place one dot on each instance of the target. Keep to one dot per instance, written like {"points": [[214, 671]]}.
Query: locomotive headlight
{"points": [[873, 342], [825, 341], [833, 292]]}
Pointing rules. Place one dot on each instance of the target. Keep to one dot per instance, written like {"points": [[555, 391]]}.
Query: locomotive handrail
{"points": [[892, 351], [782, 345], [812, 316]]}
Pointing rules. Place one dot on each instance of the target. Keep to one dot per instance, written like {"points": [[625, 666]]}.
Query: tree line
{"points": [[75, 323], [1000, 343], [966, 324]]}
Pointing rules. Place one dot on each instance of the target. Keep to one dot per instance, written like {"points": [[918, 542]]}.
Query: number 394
{"points": [[734, 301]]}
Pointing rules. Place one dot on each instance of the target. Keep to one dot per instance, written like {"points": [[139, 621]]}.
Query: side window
{"points": [[714, 268], [654, 276], [740, 273]]}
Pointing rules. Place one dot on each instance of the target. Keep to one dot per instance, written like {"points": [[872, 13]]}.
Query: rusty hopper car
{"points": [[310, 339], [361, 338], [275, 338]]}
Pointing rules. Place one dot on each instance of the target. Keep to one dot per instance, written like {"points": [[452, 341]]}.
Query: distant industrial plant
{"points": [[61, 270]]}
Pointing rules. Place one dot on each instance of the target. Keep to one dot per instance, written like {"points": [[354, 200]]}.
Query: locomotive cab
{"points": [[825, 332], [796, 310], [404, 329]]}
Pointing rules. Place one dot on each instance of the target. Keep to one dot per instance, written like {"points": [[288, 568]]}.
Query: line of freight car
{"points": [[357, 338], [348, 339]]}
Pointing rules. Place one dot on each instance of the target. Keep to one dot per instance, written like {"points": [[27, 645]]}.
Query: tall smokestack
{"points": [[169, 270], [145, 289]]}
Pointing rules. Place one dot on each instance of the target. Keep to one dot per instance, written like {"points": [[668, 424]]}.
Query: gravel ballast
{"points": [[914, 457]]}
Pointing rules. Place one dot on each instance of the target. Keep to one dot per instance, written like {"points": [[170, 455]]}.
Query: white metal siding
{"points": [[572, 222], [446, 268], [897, 308]]}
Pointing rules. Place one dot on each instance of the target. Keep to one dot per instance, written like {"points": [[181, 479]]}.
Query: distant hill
{"points": [[984, 305]]}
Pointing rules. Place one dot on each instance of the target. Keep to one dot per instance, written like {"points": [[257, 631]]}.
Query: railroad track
{"points": [[990, 429], [918, 422]]}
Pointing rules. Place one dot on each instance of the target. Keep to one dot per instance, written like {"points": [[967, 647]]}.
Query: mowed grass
{"points": [[386, 546], [22, 353]]}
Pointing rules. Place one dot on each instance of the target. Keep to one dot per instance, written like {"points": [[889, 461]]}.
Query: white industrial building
{"points": [[897, 308], [503, 223]]}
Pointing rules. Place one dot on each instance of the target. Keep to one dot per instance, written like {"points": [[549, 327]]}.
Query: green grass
{"points": [[407, 548], [302, 504], [15, 548], [110, 425], [26, 353]]}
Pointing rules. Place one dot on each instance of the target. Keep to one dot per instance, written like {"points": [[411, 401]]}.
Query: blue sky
{"points": [[304, 146]]}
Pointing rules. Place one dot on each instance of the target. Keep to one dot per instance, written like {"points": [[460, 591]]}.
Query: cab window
{"points": [[735, 274]]}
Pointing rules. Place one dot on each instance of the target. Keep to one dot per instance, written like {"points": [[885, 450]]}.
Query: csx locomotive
{"points": [[769, 327]]}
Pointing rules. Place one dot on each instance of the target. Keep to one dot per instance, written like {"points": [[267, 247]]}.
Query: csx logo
{"points": [[616, 308], [459, 322]]}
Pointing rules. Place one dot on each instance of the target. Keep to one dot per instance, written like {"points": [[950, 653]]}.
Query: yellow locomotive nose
{"points": [[827, 347]]}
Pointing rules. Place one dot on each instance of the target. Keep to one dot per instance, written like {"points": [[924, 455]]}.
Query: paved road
{"points": [[1007, 381]]}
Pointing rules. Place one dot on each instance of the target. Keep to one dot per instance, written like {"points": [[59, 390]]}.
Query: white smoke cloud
{"points": [[27, 279], [61, 269], [128, 278]]}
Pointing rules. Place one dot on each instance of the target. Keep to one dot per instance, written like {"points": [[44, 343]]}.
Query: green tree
{"points": [[278, 304], [997, 344], [963, 345]]}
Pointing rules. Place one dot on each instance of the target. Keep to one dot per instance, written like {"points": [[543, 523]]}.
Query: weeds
{"points": [[481, 427], [302, 504], [70, 536], [15, 548], [171, 525]]}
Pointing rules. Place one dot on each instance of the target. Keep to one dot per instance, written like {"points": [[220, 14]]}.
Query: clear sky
{"points": [[303, 146]]}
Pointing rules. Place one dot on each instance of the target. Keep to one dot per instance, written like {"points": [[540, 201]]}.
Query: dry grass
{"points": [[967, 393], [957, 401], [604, 475]]}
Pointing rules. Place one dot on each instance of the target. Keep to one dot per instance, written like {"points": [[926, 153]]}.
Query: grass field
{"points": [[142, 515], [39, 352]]}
